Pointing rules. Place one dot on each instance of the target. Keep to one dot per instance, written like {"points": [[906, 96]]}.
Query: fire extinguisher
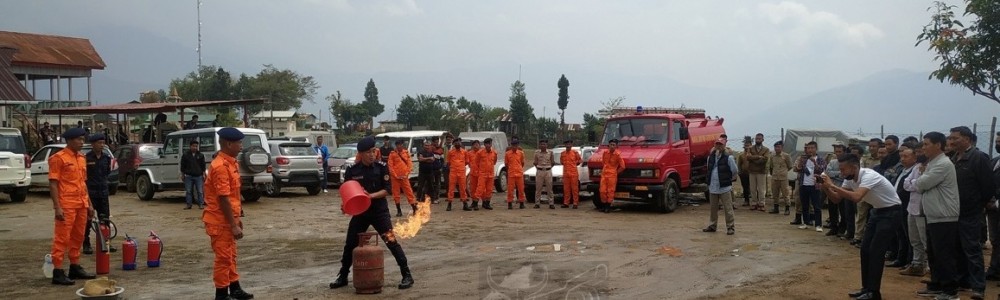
{"points": [[103, 258], [130, 252], [154, 249]]}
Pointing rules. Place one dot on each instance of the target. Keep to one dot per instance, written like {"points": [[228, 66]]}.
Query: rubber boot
{"points": [[340, 282], [414, 207], [399, 211], [238, 293], [510, 205], [520, 205], [465, 206], [59, 278], [77, 272], [798, 219], [475, 205], [774, 210], [407, 281], [449, 206], [486, 205], [222, 294], [87, 249]]}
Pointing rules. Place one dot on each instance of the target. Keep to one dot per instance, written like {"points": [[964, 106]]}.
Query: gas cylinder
{"points": [[154, 248], [130, 252], [368, 262]]}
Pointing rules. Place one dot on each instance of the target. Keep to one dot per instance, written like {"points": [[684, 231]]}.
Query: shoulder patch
{"points": [[386, 177]]}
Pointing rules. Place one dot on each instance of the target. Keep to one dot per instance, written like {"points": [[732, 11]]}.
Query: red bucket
{"points": [[356, 200]]}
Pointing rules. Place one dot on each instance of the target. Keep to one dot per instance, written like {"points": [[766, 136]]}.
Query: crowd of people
{"points": [[921, 205]]}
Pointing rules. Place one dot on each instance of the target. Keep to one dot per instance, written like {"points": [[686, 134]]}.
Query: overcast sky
{"points": [[796, 46]]}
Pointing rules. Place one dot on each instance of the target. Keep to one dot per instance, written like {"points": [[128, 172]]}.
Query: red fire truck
{"points": [[665, 151]]}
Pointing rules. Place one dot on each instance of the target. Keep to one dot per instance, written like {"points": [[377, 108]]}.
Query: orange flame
{"points": [[411, 226]]}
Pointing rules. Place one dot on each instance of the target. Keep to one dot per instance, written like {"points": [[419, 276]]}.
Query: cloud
{"points": [[399, 7], [803, 26]]}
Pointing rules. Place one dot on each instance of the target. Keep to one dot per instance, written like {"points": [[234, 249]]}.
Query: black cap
{"points": [[457, 140], [231, 134], [613, 141], [515, 141], [73, 133], [366, 144], [488, 141], [96, 137], [568, 142], [779, 143], [193, 142], [543, 141], [398, 142]]}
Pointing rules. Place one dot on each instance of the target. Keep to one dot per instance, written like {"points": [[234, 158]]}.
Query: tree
{"points": [[609, 106], [969, 55], [371, 105], [406, 112], [563, 85], [545, 127], [521, 112], [284, 89]]}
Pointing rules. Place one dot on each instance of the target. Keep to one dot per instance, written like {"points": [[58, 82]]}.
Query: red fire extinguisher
{"points": [[103, 258], [154, 249], [130, 252]]}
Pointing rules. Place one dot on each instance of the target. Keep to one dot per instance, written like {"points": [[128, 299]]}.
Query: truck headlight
{"points": [[646, 173], [595, 172]]}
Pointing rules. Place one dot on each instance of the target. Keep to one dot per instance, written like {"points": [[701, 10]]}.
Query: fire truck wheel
{"points": [[666, 202]]}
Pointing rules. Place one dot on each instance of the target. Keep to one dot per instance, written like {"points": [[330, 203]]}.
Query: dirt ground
{"points": [[293, 246]]}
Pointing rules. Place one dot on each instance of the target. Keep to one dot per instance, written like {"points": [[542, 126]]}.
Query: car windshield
{"points": [[297, 150], [343, 153], [150, 152], [653, 131], [12, 143]]}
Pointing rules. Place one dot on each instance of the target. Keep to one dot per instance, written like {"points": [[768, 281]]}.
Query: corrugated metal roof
{"points": [[10, 88], [51, 50], [128, 108], [276, 114]]}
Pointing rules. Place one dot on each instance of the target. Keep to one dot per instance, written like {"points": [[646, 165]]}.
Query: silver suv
{"points": [[295, 164], [164, 173], [15, 176]]}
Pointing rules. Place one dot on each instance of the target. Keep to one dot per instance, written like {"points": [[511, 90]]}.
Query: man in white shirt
{"points": [[866, 185]]}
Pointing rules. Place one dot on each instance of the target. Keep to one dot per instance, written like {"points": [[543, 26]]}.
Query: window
{"points": [[206, 142], [12, 143], [251, 140], [344, 153], [653, 130], [297, 150], [675, 131], [148, 152], [172, 145], [124, 153], [40, 156]]}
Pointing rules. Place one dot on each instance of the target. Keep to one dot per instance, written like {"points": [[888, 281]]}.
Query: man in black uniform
{"points": [[386, 149], [98, 168], [374, 177]]}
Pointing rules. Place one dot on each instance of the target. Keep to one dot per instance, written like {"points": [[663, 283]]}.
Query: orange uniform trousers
{"points": [[473, 185], [515, 183], [224, 246], [571, 189], [68, 235], [403, 185], [608, 184], [456, 180], [485, 187]]}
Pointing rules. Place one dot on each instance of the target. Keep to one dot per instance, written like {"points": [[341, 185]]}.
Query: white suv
{"points": [[164, 173], [15, 174]]}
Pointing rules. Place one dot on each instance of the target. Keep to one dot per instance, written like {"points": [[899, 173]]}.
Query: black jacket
{"points": [[193, 164], [975, 182]]}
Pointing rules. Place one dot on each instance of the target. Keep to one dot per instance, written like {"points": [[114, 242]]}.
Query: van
{"points": [[499, 145], [163, 173], [413, 140]]}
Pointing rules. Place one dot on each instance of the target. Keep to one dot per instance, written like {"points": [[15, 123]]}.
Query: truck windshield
{"points": [[653, 131]]}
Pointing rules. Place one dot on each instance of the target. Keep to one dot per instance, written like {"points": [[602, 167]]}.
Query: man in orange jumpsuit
{"points": [[222, 214], [456, 174], [400, 166], [68, 190], [570, 159], [612, 165], [514, 158], [471, 156], [486, 160]]}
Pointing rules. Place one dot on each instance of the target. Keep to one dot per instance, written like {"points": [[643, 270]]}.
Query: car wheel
{"points": [[19, 194], [130, 183], [273, 190], [144, 187], [501, 181], [666, 202], [313, 190], [251, 195]]}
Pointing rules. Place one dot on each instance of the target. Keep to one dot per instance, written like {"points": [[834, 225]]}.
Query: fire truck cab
{"points": [[665, 152]]}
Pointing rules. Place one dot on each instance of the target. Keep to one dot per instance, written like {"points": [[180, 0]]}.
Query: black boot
{"points": [[552, 206], [59, 277], [238, 293], [774, 210], [786, 210], [449, 206], [510, 205], [77, 272], [87, 249], [399, 211], [407, 281], [486, 205], [520, 205], [222, 294], [414, 207], [798, 220], [475, 205], [465, 206], [340, 282]]}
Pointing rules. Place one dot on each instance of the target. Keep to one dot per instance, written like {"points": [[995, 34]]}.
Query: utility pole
{"points": [[199, 35]]}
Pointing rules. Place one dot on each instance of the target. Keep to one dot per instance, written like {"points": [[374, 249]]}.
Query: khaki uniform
{"points": [[543, 175], [757, 166], [779, 164]]}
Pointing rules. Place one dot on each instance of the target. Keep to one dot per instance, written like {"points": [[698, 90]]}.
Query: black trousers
{"points": [[993, 223], [425, 182], [376, 216], [904, 253], [435, 191], [848, 211], [745, 182], [103, 209], [944, 255], [882, 225], [971, 271], [834, 213]]}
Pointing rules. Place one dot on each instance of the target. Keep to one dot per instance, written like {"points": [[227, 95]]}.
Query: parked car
{"points": [[129, 157], [15, 174], [295, 164], [557, 174], [336, 162], [40, 166], [163, 173]]}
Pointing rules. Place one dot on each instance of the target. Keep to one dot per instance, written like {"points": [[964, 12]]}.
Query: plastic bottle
{"points": [[47, 266]]}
